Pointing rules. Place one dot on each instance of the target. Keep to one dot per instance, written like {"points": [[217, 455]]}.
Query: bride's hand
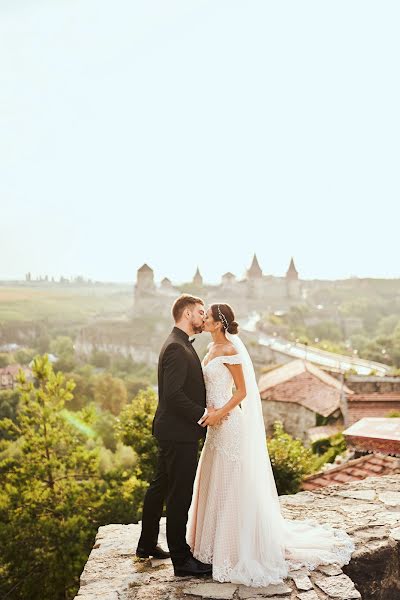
{"points": [[214, 418]]}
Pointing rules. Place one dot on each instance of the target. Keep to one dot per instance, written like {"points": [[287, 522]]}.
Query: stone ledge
{"points": [[369, 510]]}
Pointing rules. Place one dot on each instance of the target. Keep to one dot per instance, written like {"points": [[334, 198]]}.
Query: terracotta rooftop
{"points": [[303, 383], [370, 465], [376, 397], [12, 370], [377, 434]]}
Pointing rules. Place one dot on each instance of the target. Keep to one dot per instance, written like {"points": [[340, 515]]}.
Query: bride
{"points": [[235, 521]]}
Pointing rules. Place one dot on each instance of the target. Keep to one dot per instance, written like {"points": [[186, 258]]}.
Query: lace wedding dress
{"points": [[235, 521]]}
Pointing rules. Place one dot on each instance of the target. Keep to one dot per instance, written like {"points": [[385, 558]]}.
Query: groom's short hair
{"points": [[183, 302]]}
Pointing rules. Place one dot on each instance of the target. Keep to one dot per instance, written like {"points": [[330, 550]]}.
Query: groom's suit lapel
{"points": [[184, 338]]}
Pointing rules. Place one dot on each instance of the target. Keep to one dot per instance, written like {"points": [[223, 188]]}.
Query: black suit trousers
{"points": [[173, 484]]}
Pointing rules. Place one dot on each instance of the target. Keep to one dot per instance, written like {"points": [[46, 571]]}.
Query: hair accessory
{"points": [[223, 318]]}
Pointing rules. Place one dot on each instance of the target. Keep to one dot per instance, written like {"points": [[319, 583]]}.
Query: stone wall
{"points": [[297, 419], [371, 385], [369, 510]]}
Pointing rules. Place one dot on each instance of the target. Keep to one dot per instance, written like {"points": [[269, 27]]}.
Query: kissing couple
{"points": [[223, 511]]}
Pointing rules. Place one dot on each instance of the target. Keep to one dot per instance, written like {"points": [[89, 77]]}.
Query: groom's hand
{"points": [[213, 418], [210, 411]]}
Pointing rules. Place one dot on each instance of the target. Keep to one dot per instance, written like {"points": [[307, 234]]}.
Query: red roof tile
{"points": [[354, 470], [375, 397], [303, 383], [375, 434]]}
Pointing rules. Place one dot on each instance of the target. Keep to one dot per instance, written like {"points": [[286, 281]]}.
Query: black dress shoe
{"points": [[157, 552], [192, 567]]}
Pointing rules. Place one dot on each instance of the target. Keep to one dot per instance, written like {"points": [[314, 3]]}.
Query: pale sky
{"points": [[183, 133]]}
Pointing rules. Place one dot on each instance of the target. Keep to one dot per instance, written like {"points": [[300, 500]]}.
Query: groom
{"points": [[177, 426]]}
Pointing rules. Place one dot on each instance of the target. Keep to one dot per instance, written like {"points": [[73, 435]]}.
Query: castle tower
{"points": [[197, 279], [292, 273], [255, 271], [293, 287], [145, 279]]}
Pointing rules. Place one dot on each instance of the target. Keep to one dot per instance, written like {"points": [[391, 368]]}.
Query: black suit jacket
{"points": [[181, 391]]}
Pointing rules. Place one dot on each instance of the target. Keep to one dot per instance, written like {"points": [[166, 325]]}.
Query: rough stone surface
{"points": [[369, 510], [339, 586], [303, 583], [311, 595], [265, 592], [222, 591]]}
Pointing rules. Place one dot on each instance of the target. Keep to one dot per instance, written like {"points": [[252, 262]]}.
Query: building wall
{"points": [[370, 385], [359, 409], [296, 418]]}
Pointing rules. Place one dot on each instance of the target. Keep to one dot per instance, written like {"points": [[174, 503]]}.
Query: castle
{"points": [[255, 291]]}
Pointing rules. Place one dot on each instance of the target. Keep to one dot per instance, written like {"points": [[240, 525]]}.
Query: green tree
{"points": [[110, 393], [9, 400], [24, 356], [290, 460], [48, 493], [4, 359], [63, 348], [100, 359], [134, 429]]}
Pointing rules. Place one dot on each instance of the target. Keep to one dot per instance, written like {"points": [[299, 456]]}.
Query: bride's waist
{"points": [[219, 402]]}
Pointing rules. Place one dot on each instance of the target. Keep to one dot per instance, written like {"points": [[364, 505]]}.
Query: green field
{"points": [[70, 303]]}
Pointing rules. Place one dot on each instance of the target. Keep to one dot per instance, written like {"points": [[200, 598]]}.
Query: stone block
{"points": [[330, 569], [359, 495], [339, 587], [280, 589], [219, 591], [390, 498], [395, 534], [311, 595], [303, 583]]}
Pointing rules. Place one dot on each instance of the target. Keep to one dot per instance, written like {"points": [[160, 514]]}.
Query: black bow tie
{"points": [[191, 341]]}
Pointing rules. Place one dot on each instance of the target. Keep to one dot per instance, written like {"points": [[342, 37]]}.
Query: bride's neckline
{"points": [[205, 364]]}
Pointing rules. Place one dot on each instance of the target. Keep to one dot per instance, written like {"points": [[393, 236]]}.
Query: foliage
{"points": [[327, 449], [47, 493], [110, 393], [9, 400], [290, 460], [4, 359], [24, 356], [134, 429], [393, 414], [100, 359]]}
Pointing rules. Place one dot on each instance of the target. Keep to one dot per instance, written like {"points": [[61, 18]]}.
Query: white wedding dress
{"points": [[235, 521]]}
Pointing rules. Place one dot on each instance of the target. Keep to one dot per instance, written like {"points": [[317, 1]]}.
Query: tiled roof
{"points": [[303, 383], [294, 368], [376, 397], [11, 370], [370, 465], [378, 434]]}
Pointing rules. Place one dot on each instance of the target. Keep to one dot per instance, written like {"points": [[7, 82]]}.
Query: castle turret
{"points": [[255, 271], [292, 272], [197, 279], [293, 287], [145, 279]]}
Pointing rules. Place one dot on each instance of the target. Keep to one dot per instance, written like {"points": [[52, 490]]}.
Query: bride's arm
{"points": [[237, 397]]}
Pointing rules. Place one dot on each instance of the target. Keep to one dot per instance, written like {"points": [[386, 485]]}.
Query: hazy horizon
{"points": [[197, 133]]}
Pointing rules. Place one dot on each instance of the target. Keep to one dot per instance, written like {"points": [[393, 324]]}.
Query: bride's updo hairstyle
{"points": [[225, 314]]}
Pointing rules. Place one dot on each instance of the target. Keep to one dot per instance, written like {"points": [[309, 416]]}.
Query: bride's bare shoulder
{"points": [[229, 349]]}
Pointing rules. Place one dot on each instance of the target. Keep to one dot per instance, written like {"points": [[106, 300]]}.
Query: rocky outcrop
{"points": [[369, 510]]}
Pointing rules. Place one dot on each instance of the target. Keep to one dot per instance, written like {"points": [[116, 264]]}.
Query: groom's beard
{"points": [[197, 328]]}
